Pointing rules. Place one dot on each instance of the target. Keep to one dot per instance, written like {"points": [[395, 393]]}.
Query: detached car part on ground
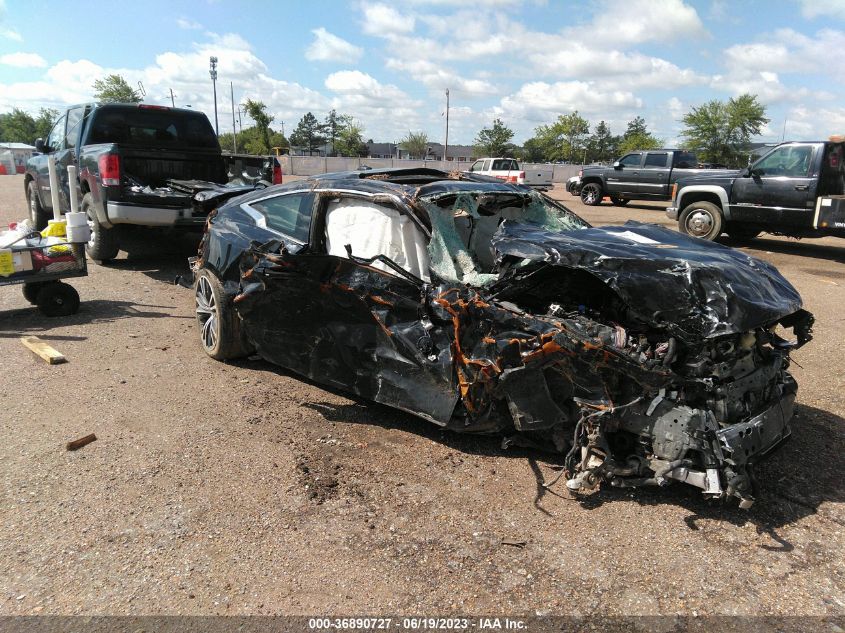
{"points": [[645, 355]]}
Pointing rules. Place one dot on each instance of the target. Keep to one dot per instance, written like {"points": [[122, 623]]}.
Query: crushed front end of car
{"points": [[647, 356]]}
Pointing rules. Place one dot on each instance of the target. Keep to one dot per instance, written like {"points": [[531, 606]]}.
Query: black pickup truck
{"points": [[641, 175], [796, 189], [127, 157]]}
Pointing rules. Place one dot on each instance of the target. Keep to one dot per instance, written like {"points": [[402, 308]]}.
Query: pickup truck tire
{"points": [[104, 244], [619, 202], [592, 194], [701, 219], [37, 214], [220, 327], [57, 299]]}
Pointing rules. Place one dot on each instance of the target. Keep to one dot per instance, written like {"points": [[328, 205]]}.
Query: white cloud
{"points": [[188, 25], [440, 78], [638, 21], [329, 47], [541, 102], [11, 34], [382, 20], [23, 60], [815, 8], [381, 107]]}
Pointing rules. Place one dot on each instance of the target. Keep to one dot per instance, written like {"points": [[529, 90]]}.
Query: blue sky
{"points": [[388, 63]]}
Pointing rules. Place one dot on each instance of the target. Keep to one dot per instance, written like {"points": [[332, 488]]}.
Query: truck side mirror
{"points": [[39, 145], [617, 165]]}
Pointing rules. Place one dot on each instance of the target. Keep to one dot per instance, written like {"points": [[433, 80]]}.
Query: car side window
{"points": [[55, 140], [74, 125], [288, 214], [486, 166], [476, 166], [501, 165], [631, 160], [792, 161], [656, 159]]}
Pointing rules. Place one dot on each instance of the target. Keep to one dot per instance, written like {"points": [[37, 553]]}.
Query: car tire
{"points": [[742, 234], [220, 327], [57, 299], [701, 219], [104, 244], [619, 202], [30, 292], [37, 214], [592, 194]]}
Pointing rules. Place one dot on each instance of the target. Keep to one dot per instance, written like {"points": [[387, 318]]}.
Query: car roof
{"points": [[412, 182]]}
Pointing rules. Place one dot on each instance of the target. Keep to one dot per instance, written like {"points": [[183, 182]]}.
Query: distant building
{"points": [[20, 153], [463, 153]]}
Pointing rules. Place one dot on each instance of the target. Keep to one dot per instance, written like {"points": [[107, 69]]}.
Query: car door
{"points": [[780, 188], [361, 323], [624, 178], [654, 175], [55, 146]]}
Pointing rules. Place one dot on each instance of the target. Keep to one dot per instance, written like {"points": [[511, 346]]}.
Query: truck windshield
{"points": [[152, 128]]}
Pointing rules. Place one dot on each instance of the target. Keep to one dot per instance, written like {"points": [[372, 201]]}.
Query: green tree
{"points": [[350, 140], [637, 137], [721, 132], [565, 138], [114, 89], [251, 141], [533, 151], [334, 124], [257, 111], [309, 133], [495, 141], [416, 144], [601, 146], [18, 126]]}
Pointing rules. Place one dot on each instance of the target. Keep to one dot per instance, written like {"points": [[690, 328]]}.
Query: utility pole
{"points": [[212, 61], [234, 129], [172, 100], [446, 144]]}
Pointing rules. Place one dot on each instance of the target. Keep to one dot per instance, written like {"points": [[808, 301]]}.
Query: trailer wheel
{"points": [[30, 292], [701, 219], [104, 243], [591, 194], [57, 299]]}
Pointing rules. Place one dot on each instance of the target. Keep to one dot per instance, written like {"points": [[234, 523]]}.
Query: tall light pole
{"points": [[234, 129], [446, 145], [212, 70]]}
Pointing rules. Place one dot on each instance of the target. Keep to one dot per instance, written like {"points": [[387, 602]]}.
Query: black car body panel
{"points": [[633, 349]]}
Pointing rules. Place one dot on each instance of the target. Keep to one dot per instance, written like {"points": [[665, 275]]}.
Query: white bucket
{"points": [[75, 219], [79, 234]]}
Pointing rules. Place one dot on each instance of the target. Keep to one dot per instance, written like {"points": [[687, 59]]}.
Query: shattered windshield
{"points": [[463, 225]]}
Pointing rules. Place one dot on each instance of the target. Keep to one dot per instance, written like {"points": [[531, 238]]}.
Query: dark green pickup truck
{"points": [[127, 156]]}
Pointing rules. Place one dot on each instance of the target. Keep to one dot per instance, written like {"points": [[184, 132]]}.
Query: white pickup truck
{"points": [[508, 169]]}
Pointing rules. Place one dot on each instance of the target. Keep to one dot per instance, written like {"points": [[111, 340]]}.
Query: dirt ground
{"points": [[242, 489]]}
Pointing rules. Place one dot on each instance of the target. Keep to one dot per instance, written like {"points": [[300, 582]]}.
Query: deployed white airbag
{"points": [[372, 229]]}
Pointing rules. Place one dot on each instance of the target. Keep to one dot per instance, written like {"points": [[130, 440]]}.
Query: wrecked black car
{"points": [[646, 356]]}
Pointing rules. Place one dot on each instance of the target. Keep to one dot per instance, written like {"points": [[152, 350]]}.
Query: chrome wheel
{"points": [[699, 223], [90, 223], [591, 194], [207, 314]]}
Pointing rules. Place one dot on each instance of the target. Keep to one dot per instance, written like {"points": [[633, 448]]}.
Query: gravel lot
{"points": [[242, 489]]}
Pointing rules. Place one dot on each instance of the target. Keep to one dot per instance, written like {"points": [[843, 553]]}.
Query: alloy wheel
{"points": [[207, 314]]}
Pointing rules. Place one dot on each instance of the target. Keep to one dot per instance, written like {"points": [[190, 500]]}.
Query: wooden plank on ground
{"points": [[40, 348]]}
